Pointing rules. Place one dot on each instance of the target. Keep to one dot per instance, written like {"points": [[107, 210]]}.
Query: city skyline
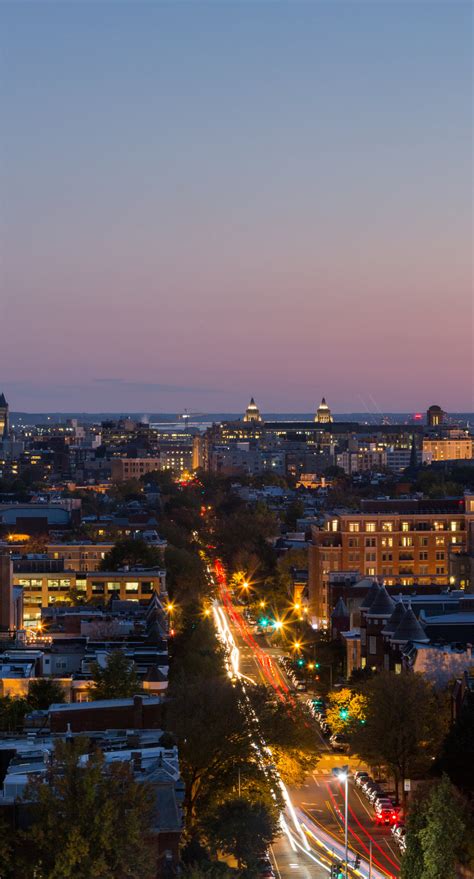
{"points": [[204, 203]]}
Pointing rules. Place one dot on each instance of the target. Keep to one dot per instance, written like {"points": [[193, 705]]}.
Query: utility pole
{"points": [[370, 859]]}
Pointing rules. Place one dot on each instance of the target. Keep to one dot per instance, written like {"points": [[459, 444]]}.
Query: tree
{"points": [[12, 713], [117, 680], [405, 723], [345, 710], [293, 744], [457, 754], [242, 829], [90, 819], [132, 553], [442, 835], [44, 692], [213, 739], [436, 832], [6, 850]]}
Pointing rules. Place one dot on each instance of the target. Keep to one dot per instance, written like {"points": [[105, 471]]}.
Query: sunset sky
{"points": [[204, 201]]}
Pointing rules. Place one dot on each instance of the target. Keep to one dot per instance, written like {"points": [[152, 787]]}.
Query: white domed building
{"points": [[323, 413], [252, 412]]}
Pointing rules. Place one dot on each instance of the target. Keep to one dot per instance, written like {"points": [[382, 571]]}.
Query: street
{"points": [[319, 803]]}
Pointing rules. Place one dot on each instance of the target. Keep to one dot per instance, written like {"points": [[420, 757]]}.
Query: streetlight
{"points": [[343, 775]]}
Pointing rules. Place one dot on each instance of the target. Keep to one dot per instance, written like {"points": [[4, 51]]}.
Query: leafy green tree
{"points": [[13, 710], [294, 511], [243, 829], [90, 819], [345, 710], [442, 835], [457, 753], [131, 552], [412, 861], [44, 692], [7, 837], [293, 744], [405, 724], [117, 680], [213, 738]]}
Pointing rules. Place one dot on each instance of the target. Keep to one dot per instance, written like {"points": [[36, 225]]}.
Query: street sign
{"points": [[407, 784]]}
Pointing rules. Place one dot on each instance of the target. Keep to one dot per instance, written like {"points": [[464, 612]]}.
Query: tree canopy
{"points": [[436, 832], [132, 553], [243, 829], [118, 679], [90, 819], [405, 724], [44, 692]]}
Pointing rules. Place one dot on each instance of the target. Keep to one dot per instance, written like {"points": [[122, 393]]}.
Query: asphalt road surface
{"points": [[321, 799]]}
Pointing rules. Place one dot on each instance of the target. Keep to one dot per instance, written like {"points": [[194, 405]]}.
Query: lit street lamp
{"points": [[343, 775]]}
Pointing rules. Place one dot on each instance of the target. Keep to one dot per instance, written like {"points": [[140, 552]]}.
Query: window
{"points": [[387, 557], [370, 526], [387, 541], [440, 541], [425, 541], [370, 541], [423, 569], [406, 541], [387, 526], [455, 526], [438, 526], [131, 587], [423, 556], [372, 644], [353, 541], [353, 526], [440, 556], [370, 572], [98, 588], [405, 526], [371, 556], [440, 569]]}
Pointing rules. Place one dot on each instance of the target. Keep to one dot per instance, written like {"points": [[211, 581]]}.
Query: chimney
{"points": [[7, 617], [136, 757]]}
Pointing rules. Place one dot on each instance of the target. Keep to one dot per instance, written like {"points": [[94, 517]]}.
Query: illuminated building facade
{"points": [[4, 418], [406, 541], [323, 413]]}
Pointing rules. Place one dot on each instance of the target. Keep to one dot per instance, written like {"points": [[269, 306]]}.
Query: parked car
{"points": [[301, 687], [338, 743], [360, 777], [367, 784], [375, 794]]}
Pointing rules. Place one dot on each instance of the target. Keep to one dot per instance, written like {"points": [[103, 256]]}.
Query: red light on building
{"points": [[417, 416]]}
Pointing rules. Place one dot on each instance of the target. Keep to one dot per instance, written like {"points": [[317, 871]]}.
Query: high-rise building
{"points": [[4, 417], [323, 413], [252, 412]]}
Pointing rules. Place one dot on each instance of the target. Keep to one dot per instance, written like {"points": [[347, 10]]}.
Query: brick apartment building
{"points": [[406, 541]]}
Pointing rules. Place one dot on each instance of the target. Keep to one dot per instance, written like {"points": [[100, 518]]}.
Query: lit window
{"points": [[454, 526], [353, 526], [405, 526], [387, 526], [370, 526]]}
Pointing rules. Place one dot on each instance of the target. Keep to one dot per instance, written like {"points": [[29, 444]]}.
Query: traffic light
{"points": [[337, 871], [263, 621], [343, 714], [300, 662], [357, 862], [317, 665]]}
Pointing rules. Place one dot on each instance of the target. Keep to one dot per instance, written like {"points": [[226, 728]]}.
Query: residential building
{"points": [[133, 468], [407, 541]]}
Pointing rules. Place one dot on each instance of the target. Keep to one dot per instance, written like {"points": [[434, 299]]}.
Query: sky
{"points": [[204, 201]]}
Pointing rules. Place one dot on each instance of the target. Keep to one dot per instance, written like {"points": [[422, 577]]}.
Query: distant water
{"points": [[173, 419]]}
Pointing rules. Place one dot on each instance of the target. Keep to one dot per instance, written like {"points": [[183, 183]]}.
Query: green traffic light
{"points": [[300, 662], [317, 665], [343, 714]]}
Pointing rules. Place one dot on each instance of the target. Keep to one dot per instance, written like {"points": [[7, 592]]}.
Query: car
{"points": [[301, 687], [383, 803], [360, 777], [398, 830], [367, 784], [375, 794], [402, 842], [385, 815], [338, 743]]}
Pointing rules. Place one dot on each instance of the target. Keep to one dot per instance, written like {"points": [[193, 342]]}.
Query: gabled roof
{"points": [[409, 629], [382, 606], [341, 609], [371, 596], [3, 402], [392, 624]]}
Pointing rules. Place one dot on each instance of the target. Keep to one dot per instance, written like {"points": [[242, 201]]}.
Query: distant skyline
{"points": [[201, 202]]}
